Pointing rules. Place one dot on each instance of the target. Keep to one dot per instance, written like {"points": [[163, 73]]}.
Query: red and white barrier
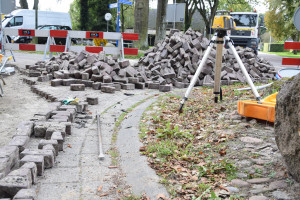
{"points": [[291, 61], [52, 47]]}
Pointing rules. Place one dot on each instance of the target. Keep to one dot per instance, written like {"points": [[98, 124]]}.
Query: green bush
{"points": [[277, 48]]}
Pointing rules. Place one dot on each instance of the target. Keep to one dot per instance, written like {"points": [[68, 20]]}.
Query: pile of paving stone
{"points": [[171, 63], [20, 165], [175, 60]]}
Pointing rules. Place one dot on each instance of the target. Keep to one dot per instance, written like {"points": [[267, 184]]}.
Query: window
{"points": [[245, 19], [15, 21]]}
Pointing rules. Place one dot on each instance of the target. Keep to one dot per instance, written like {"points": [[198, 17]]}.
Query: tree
{"points": [[75, 14], [190, 9], [23, 4], [161, 23], [84, 14], [237, 5], [207, 10], [279, 19], [141, 14], [126, 16]]}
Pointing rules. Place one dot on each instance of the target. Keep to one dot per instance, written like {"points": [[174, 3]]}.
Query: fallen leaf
{"points": [[112, 167], [224, 188], [222, 152], [143, 148], [161, 196], [70, 146], [103, 194], [100, 188]]}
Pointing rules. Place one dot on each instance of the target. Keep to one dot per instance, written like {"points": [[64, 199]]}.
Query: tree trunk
{"points": [[141, 14], [83, 14], [161, 23], [36, 4], [35, 7], [207, 11], [23, 4], [122, 18]]}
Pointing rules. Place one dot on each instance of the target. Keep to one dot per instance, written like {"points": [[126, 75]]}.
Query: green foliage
{"points": [[94, 17], [217, 167], [75, 14], [279, 19], [236, 5], [277, 47]]}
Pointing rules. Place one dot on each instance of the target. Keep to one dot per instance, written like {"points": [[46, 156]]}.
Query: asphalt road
{"points": [[275, 60]]}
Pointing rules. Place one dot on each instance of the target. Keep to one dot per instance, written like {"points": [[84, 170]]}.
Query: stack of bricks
{"points": [[19, 165], [171, 63], [174, 61]]}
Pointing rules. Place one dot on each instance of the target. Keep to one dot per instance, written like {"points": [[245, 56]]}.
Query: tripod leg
{"points": [[218, 66], [196, 75], [254, 90]]}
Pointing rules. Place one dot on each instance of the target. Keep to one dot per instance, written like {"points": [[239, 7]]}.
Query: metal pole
{"points": [[2, 36], [270, 41], [106, 26], [101, 154], [196, 75], [237, 57], [174, 15], [118, 16]]}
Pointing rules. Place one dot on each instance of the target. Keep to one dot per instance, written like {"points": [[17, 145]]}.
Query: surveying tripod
{"points": [[218, 38]]}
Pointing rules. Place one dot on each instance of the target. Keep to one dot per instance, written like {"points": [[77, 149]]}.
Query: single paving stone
{"points": [[278, 185], [37, 159], [26, 194], [279, 195], [239, 183], [42, 143], [92, 100], [77, 87], [47, 154], [59, 138], [251, 140], [258, 198], [10, 185], [258, 180], [33, 169]]}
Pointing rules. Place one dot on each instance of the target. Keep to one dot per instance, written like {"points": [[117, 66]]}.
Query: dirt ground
{"points": [[18, 104]]}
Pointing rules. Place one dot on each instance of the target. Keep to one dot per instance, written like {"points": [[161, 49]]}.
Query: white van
{"points": [[25, 19]]}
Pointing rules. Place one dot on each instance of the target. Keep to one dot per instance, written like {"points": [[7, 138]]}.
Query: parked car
{"points": [[25, 19], [58, 41]]}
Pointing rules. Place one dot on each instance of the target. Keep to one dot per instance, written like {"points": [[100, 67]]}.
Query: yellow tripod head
{"points": [[223, 21]]}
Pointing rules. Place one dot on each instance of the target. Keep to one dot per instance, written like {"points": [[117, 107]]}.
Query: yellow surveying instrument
{"points": [[221, 24]]}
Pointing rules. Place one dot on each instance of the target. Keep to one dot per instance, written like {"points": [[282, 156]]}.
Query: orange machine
{"points": [[264, 111]]}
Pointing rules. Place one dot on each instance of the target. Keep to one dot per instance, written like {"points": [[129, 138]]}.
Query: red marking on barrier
{"points": [[290, 61], [94, 35], [94, 49], [26, 32], [27, 47], [57, 48], [130, 36], [130, 51], [292, 45], [58, 33]]}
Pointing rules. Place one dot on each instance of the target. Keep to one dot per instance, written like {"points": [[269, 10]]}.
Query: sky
{"points": [[64, 5]]}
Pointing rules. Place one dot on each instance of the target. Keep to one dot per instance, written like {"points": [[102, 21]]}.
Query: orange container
{"points": [[264, 111]]}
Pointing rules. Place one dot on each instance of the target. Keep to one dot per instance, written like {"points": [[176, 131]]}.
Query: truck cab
{"points": [[246, 33]]}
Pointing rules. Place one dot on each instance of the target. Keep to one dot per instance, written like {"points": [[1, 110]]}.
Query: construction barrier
{"points": [[50, 46], [291, 61]]}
